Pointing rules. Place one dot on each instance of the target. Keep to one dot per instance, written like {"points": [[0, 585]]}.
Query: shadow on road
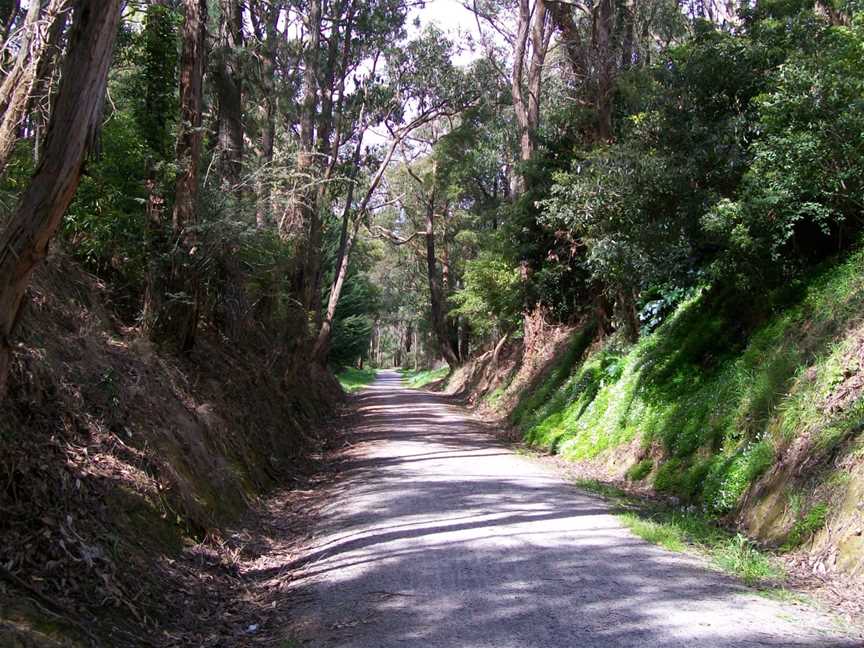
{"points": [[440, 536]]}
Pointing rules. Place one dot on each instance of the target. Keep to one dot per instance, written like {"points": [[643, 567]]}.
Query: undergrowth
{"points": [[692, 531], [719, 387], [353, 379], [421, 378]]}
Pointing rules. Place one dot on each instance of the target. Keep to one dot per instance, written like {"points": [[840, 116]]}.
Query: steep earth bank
{"points": [[749, 412], [121, 468]]}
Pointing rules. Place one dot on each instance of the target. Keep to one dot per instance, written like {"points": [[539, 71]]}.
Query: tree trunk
{"points": [[17, 88], [229, 90], [605, 72], [628, 315], [304, 212], [532, 42], [267, 34], [436, 295], [464, 340], [177, 322], [322, 342], [346, 244], [571, 40], [267, 113], [46, 72], [520, 106], [72, 130]]}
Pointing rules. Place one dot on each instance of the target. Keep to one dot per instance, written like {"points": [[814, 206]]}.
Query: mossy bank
{"points": [[748, 410]]}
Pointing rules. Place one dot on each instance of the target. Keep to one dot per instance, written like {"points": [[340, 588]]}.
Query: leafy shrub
{"points": [[640, 470], [728, 478], [805, 527], [492, 296], [800, 198]]}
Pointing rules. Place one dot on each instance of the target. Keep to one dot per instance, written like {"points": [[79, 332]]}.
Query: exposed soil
{"points": [[121, 470]]}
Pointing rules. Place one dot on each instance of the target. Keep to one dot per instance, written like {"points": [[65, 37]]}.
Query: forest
{"points": [[632, 228], [263, 162]]}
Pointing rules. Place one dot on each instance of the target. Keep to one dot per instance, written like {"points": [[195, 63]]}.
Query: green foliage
{"points": [[422, 378], [354, 320], [492, 297], [533, 407], [801, 195], [353, 379], [680, 531], [634, 207], [806, 527], [715, 395], [728, 478], [105, 224], [153, 87], [640, 470]]}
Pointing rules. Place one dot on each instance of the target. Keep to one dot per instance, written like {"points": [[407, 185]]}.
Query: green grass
{"points": [[718, 387], [690, 531], [353, 379], [421, 378], [806, 527], [640, 470]]}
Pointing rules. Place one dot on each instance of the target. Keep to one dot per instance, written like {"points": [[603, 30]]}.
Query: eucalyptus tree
{"points": [[417, 86], [264, 18], [175, 295], [528, 39], [35, 42], [228, 74], [339, 37], [72, 130]]}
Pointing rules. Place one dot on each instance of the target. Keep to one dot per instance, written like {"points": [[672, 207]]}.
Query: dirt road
{"points": [[441, 537]]}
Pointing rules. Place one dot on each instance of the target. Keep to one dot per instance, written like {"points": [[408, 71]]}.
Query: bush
{"points": [[800, 198], [729, 477], [640, 470]]}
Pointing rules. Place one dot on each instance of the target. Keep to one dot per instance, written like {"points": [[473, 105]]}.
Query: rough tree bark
{"points": [[73, 127], [436, 294], [594, 58], [177, 321], [39, 37], [605, 70], [266, 35], [229, 89], [532, 42], [303, 221]]}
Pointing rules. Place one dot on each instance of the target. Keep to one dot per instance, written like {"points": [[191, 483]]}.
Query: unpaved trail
{"points": [[441, 537]]}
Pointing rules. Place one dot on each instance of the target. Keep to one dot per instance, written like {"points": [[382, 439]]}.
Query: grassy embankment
{"points": [[688, 530], [418, 379], [723, 394], [353, 379]]}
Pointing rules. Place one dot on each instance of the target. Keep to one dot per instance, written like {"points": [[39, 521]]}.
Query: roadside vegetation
{"points": [[713, 400], [635, 227], [352, 379], [418, 379], [690, 530]]}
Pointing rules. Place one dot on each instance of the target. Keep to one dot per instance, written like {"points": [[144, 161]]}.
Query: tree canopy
{"points": [[330, 175]]}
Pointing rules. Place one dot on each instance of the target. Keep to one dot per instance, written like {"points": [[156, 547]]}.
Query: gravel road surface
{"points": [[440, 536]]}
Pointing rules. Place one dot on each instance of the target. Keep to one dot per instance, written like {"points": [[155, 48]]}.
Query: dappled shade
{"points": [[441, 536]]}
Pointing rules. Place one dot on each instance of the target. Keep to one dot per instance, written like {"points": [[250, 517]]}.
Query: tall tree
{"points": [[265, 24], [39, 35], [529, 55], [227, 79], [72, 130], [178, 300]]}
